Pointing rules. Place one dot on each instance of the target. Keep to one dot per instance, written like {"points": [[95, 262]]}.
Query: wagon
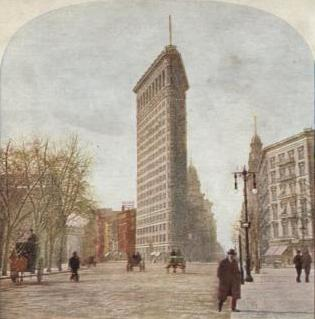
{"points": [[134, 262], [176, 262], [23, 259]]}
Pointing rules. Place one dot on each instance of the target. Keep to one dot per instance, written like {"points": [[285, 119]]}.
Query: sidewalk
{"points": [[54, 270], [274, 294]]}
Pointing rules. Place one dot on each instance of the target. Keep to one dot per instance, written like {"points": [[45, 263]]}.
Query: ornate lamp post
{"points": [[246, 224]]}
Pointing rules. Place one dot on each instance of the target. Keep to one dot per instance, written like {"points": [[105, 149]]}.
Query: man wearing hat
{"points": [[298, 261], [229, 280]]}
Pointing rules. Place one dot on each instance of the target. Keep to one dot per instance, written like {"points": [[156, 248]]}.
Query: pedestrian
{"points": [[297, 261], [74, 265], [229, 280], [306, 264]]}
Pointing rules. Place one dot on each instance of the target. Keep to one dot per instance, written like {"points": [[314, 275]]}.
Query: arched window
{"points": [[163, 78]]}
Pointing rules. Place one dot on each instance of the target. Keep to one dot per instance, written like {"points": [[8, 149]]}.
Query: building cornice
{"points": [[167, 52], [307, 133]]}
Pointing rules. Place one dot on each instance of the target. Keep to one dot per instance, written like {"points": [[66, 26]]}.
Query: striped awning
{"points": [[276, 250]]}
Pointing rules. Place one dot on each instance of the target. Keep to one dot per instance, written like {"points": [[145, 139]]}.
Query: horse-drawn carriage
{"points": [[135, 261], [23, 259], [176, 262]]}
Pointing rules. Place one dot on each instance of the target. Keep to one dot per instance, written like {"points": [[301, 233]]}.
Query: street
{"points": [[108, 291]]}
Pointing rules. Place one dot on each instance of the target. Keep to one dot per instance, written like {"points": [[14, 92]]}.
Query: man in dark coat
{"points": [[74, 264], [306, 264], [229, 280], [297, 261]]}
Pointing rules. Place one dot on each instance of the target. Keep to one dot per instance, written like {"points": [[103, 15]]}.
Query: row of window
{"points": [[154, 137], [287, 189], [284, 205], [151, 219], [151, 229], [152, 239], [152, 191], [294, 228], [156, 154], [144, 122], [146, 131], [160, 160], [161, 141], [150, 174], [157, 84], [290, 156], [153, 199], [152, 209], [287, 172]]}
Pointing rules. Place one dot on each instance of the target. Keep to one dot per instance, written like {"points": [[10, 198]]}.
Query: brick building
{"points": [[115, 233]]}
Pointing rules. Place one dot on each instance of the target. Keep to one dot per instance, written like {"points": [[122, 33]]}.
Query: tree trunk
{"points": [[50, 254], [5, 258], [61, 250], [1, 241], [46, 253]]}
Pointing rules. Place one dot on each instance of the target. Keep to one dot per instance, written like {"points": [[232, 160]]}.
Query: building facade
{"points": [[127, 231], [201, 234], [161, 154], [107, 234], [282, 213]]}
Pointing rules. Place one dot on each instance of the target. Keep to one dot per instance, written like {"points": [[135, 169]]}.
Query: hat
{"points": [[231, 252]]}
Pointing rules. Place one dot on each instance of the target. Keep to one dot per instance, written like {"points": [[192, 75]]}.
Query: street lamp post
{"points": [[241, 257], [246, 224]]}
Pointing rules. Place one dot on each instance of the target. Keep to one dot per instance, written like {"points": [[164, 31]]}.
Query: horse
{"points": [[18, 265]]}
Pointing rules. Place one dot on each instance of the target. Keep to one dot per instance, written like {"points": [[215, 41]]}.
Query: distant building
{"points": [[161, 154], [115, 233], [127, 231], [282, 213], [107, 234], [201, 241]]}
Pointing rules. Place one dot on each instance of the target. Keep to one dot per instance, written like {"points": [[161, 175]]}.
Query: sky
{"points": [[72, 70]]}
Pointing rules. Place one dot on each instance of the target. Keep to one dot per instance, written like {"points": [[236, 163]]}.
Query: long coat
{"points": [[229, 280]]}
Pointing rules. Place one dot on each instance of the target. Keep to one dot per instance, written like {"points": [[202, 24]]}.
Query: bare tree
{"points": [[15, 193]]}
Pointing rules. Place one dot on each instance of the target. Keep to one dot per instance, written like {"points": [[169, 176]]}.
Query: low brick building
{"points": [[127, 231], [115, 233]]}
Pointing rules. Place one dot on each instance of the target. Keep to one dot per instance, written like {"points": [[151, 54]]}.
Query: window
{"points": [[273, 177], [275, 211], [163, 78], [275, 230], [281, 157], [283, 189], [273, 193], [303, 205], [272, 162], [291, 154], [301, 152], [284, 228], [292, 187], [283, 206], [302, 186], [302, 168], [282, 172], [294, 227], [293, 207], [291, 170]]}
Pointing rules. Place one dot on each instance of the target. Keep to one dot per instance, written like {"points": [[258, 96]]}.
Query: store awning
{"points": [[276, 250], [155, 253]]}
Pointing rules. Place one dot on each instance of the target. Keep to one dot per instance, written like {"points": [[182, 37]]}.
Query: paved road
{"points": [[108, 291]]}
